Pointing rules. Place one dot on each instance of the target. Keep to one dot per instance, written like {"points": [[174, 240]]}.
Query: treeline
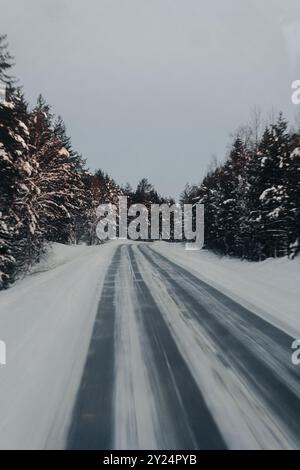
{"points": [[105, 190], [46, 192], [252, 201]]}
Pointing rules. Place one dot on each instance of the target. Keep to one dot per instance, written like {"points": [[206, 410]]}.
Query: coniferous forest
{"points": [[47, 194], [252, 201]]}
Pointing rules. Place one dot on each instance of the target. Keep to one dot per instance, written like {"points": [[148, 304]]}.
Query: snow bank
{"points": [[46, 321], [270, 288]]}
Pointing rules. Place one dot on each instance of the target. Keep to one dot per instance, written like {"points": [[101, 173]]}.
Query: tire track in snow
{"points": [[92, 421], [135, 414], [181, 401], [257, 350]]}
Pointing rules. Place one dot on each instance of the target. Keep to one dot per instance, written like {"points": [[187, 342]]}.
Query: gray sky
{"points": [[154, 87]]}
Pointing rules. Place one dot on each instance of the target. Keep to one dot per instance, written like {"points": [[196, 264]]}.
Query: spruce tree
{"points": [[17, 218], [6, 62], [61, 187], [268, 192]]}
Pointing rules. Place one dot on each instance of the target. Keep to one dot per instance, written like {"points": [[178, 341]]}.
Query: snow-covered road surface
{"points": [[148, 346], [173, 363]]}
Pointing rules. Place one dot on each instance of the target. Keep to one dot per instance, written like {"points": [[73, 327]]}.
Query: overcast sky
{"points": [[154, 87]]}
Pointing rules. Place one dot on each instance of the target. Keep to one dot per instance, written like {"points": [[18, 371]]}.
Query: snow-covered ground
{"points": [[270, 288], [46, 321]]}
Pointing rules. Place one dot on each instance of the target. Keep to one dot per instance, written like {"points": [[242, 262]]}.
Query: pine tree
{"points": [[6, 62], [209, 194], [60, 131], [61, 187], [232, 185], [291, 167], [104, 190], [82, 211], [15, 216], [15, 168], [267, 195]]}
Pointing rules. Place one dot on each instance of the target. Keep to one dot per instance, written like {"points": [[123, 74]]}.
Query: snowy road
{"points": [[175, 364]]}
